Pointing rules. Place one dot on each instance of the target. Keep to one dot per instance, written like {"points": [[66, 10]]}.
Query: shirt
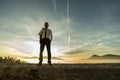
{"points": [[48, 33]]}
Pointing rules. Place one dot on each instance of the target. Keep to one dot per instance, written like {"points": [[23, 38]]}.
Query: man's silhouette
{"points": [[45, 40]]}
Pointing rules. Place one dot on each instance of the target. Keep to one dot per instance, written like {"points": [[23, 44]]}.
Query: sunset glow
{"points": [[81, 28]]}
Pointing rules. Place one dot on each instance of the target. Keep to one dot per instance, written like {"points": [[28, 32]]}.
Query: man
{"points": [[45, 40]]}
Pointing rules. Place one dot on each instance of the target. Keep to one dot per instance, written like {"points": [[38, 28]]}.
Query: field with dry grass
{"points": [[60, 72]]}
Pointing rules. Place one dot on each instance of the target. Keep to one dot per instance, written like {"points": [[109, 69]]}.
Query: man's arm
{"points": [[40, 34], [41, 31], [51, 35]]}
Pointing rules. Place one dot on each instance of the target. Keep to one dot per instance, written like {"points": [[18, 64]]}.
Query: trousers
{"points": [[45, 42]]}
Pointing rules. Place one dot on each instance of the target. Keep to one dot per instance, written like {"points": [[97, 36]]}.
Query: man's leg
{"points": [[42, 45], [49, 51]]}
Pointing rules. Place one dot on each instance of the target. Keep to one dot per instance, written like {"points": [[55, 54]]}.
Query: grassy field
{"points": [[60, 72]]}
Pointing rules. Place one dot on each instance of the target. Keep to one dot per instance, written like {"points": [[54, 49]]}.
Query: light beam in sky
{"points": [[68, 22], [55, 6]]}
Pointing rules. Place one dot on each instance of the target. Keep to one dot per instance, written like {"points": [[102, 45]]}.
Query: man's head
{"points": [[46, 24]]}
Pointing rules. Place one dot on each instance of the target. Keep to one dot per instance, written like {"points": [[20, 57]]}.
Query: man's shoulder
{"points": [[42, 28]]}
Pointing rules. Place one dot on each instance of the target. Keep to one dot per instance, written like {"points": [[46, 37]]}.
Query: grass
{"points": [[10, 61]]}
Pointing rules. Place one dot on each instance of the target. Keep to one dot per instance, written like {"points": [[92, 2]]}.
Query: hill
{"points": [[107, 56]]}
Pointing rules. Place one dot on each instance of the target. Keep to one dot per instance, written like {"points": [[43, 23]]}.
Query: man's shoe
{"points": [[39, 63], [50, 64]]}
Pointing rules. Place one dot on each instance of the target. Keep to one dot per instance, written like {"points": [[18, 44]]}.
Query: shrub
{"points": [[10, 60]]}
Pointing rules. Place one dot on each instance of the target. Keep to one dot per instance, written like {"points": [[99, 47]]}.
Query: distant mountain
{"points": [[107, 56], [35, 57]]}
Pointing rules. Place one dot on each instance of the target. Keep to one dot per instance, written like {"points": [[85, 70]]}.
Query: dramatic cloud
{"points": [[79, 26]]}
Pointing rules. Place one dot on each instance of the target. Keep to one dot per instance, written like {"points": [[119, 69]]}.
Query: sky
{"points": [[81, 28]]}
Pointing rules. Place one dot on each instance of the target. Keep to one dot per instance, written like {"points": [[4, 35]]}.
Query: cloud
{"points": [[94, 27], [75, 51]]}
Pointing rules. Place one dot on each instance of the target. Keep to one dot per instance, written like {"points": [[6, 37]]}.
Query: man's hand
{"points": [[40, 38], [40, 41]]}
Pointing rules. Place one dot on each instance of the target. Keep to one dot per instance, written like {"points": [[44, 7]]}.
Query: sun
{"points": [[55, 50]]}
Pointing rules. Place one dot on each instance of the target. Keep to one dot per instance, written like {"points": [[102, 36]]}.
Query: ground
{"points": [[60, 72]]}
